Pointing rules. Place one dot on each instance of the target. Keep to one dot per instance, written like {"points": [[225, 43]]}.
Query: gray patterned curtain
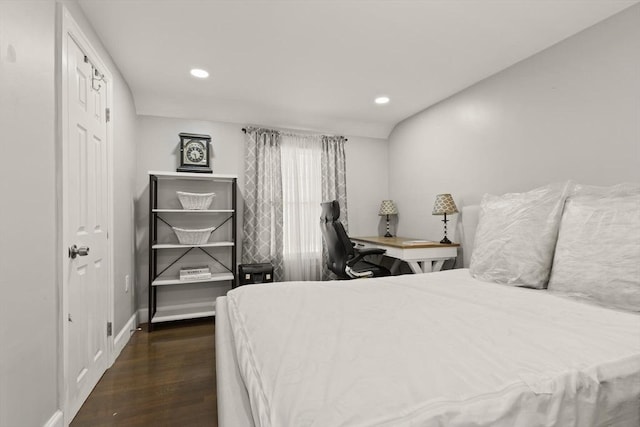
{"points": [[334, 184], [263, 237]]}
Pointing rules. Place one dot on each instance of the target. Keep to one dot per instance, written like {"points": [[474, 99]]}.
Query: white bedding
{"points": [[439, 349]]}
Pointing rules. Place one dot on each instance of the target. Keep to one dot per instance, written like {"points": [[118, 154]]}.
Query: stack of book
{"points": [[195, 273]]}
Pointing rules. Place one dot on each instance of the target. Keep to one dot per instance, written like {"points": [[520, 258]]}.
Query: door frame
{"points": [[69, 27]]}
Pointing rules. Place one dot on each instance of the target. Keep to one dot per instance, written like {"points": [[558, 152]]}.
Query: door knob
{"points": [[75, 251]]}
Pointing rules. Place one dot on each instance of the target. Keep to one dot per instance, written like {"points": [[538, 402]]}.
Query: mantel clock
{"points": [[194, 153]]}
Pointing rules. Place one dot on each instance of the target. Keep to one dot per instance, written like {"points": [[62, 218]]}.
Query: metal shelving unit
{"points": [[160, 277]]}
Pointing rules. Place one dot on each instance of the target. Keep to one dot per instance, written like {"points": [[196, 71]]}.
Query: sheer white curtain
{"points": [[301, 196]]}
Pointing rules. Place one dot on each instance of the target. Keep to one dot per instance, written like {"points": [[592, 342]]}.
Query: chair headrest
{"points": [[330, 211]]}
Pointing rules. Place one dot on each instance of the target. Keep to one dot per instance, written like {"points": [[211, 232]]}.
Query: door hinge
{"points": [[109, 329], [107, 114]]}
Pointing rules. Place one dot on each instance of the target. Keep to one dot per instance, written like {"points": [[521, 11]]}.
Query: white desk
{"points": [[422, 256]]}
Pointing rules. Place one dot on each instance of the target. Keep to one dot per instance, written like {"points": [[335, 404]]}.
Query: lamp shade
{"points": [[444, 205], [388, 208]]}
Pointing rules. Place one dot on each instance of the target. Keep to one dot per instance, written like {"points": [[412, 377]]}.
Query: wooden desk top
{"points": [[403, 242]]}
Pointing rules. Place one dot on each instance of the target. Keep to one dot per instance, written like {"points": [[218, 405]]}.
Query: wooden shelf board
{"points": [[178, 245], [172, 314], [215, 277], [193, 210]]}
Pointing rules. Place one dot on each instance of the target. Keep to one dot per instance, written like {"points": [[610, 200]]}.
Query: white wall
{"points": [[28, 288], [367, 184], [367, 174], [569, 112]]}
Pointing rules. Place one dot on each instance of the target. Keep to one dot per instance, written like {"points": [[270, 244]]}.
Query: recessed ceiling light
{"points": [[201, 74], [382, 100]]}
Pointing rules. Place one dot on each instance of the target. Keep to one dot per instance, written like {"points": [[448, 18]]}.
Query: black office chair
{"points": [[344, 260]]}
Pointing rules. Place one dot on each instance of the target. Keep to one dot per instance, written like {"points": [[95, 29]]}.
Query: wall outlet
{"points": [[127, 283]]}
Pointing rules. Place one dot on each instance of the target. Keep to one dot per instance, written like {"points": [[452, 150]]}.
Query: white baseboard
{"points": [[123, 336], [56, 420]]}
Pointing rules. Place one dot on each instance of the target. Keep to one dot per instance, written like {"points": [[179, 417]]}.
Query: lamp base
{"points": [[388, 232], [445, 241]]}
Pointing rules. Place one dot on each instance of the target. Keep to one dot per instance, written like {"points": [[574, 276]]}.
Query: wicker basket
{"points": [[193, 237], [195, 201]]}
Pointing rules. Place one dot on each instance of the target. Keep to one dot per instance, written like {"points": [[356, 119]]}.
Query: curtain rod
{"points": [[244, 130]]}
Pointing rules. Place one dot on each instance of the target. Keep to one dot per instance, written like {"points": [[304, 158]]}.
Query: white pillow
{"points": [[618, 190], [598, 251], [516, 236]]}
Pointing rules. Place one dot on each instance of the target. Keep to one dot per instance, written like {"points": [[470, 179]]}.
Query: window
{"points": [[302, 195]]}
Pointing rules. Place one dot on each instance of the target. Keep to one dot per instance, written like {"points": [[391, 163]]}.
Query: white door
{"points": [[85, 219]]}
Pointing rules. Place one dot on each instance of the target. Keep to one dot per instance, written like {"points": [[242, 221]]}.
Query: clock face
{"points": [[194, 153]]}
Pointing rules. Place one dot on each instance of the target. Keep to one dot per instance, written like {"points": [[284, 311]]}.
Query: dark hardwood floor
{"points": [[164, 378]]}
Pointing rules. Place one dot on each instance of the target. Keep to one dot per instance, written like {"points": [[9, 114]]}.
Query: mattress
{"points": [[438, 349]]}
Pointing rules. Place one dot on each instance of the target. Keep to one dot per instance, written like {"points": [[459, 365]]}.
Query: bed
{"points": [[435, 349]]}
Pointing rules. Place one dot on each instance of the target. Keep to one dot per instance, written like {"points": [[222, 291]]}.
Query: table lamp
{"points": [[388, 208], [444, 205]]}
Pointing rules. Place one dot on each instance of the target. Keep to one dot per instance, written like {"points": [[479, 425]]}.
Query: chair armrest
{"points": [[361, 253], [357, 274], [370, 251]]}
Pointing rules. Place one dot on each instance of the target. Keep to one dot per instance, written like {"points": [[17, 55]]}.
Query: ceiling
{"points": [[318, 65]]}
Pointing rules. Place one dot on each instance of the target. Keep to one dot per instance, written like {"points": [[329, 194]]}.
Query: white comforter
{"points": [[439, 349]]}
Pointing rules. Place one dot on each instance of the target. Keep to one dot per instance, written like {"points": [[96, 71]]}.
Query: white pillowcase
{"points": [[598, 251], [594, 191], [516, 236]]}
